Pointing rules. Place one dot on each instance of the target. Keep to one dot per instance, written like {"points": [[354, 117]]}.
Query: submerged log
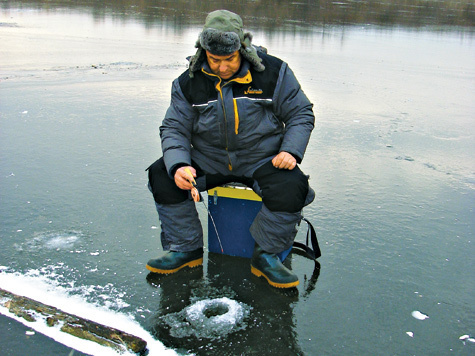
{"points": [[31, 310]]}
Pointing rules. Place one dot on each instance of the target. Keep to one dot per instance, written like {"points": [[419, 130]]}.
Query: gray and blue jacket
{"points": [[233, 127]]}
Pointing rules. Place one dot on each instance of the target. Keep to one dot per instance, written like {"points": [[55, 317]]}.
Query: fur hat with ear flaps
{"points": [[222, 35]]}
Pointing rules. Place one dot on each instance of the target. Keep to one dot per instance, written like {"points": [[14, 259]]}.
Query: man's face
{"points": [[224, 66]]}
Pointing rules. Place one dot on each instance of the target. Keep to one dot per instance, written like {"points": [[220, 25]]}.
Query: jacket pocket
{"points": [[207, 125]]}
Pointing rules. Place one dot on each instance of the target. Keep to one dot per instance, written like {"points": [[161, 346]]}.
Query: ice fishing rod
{"points": [[196, 195]]}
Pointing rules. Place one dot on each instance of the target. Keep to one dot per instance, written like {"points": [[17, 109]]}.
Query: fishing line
{"points": [[196, 195]]}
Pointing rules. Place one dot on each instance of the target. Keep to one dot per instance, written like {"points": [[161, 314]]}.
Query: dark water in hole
{"points": [[83, 89], [215, 311]]}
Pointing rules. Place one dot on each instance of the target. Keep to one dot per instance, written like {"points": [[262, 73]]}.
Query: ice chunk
{"points": [[419, 316], [466, 338]]}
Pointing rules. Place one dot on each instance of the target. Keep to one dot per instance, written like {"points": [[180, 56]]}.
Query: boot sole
{"points": [[258, 273], [190, 264]]}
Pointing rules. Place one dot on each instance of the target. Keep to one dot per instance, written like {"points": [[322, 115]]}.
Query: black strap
{"points": [[314, 252], [311, 253]]}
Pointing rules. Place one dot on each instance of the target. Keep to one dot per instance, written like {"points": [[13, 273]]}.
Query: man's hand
{"points": [[284, 160], [183, 179]]}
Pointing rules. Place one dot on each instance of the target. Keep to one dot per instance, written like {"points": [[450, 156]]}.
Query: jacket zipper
{"points": [[218, 86], [230, 164]]}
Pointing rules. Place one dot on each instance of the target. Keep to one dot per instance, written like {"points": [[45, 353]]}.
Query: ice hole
{"points": [[215, 310]]}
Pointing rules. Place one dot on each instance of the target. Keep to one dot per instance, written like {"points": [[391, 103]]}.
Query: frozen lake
{"points": [[83, 91]]}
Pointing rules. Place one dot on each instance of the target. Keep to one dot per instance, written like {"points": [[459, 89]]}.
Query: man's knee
{"points": [[282, 190], [163, 188], [288, 193]]}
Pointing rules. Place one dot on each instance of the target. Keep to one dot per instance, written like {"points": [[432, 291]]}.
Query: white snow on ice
{"points": [[41, 289]]}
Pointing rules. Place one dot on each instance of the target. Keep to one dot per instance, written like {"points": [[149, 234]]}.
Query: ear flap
{"points": [[249, 52], [247, 36], [197, 60]]}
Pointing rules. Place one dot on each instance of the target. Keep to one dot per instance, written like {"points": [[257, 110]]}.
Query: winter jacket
{"points": [[233, 127]]}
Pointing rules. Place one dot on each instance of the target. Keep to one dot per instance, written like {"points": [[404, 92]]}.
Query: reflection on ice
{"points": [[209, 318]]}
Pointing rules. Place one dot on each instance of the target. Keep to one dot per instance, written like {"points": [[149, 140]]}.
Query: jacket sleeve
{"points": [[293, 108], [175, 131]]}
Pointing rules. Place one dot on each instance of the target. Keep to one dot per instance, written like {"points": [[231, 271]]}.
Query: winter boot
{"points": [[271, 268], [173, 261]]}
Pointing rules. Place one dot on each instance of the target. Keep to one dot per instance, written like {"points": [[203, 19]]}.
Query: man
{"points": [[236, 115]]}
